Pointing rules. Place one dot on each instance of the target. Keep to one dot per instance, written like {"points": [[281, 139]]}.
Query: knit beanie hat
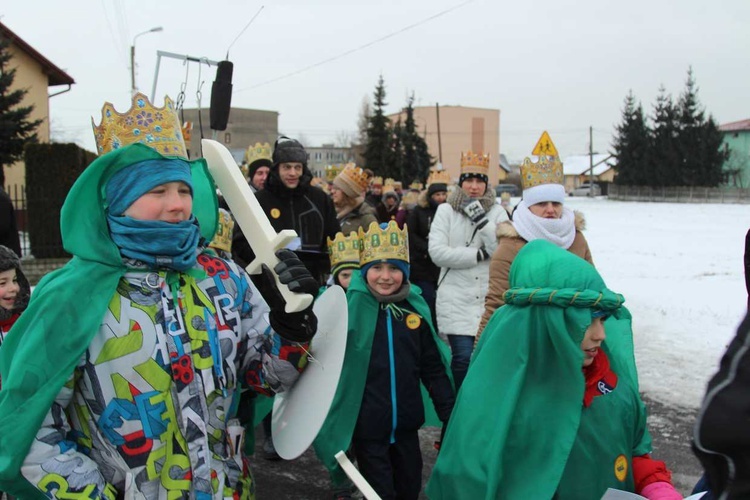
{"points": [[352, 180], [474, 165], [287, 150], [254, 166], [542, 181], [9, 260], [436, 188]]}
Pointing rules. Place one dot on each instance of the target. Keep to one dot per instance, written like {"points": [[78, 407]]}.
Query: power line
{"points": [[351, 51]]}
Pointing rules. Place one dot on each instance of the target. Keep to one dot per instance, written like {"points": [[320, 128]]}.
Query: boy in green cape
{"points": [[550, 409], [118, 380], [391, 347]]}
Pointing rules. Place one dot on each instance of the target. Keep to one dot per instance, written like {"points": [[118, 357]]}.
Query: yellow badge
{"points": [[621, 468], [275, 213], [413, 321]]}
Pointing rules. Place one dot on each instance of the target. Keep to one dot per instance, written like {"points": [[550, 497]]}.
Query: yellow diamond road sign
{"points": [[545, 146]]}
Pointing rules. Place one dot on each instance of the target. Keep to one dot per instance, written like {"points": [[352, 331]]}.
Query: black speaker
{"points": [[221, 96]]}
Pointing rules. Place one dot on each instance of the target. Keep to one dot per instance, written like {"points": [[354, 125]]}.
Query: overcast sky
{"points": [[546, 64]]}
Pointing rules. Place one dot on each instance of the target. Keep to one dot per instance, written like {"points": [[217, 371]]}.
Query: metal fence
{"points": [[686, 194], [17, 196]]}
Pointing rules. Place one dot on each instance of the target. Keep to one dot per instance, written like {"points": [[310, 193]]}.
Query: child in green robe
{"points": [[550, 407]]}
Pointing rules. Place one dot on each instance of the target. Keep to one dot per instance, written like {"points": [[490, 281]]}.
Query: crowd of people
{"points": [[128, 371]]}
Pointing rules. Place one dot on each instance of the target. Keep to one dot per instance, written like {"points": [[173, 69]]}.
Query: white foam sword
{"points": [[261, 236]]}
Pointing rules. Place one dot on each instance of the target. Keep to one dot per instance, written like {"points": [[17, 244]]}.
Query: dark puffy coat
{"points": [[416, 358], [306, 209], [722, 433], [418, 223]]}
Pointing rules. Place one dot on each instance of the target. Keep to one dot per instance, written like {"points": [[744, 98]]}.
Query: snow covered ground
{"points": [[680, 268]]}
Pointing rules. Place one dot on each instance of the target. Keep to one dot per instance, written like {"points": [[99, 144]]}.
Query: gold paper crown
{"points": [[381, 244], [376, 181], [438, 177], [359, 177], [332, 171], [416, 185], [548, 170], [344, 249], [223, 237], [475, 163], [258, 152], [158, 128]]}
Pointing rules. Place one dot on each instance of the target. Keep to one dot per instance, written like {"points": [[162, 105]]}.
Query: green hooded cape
{"points": [[336, 433], [519, 409], [44, 346]]}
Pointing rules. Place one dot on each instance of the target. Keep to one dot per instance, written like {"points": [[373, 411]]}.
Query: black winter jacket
{"points": [[306, 209], [416, 358], [722, 433], [418, 223]]}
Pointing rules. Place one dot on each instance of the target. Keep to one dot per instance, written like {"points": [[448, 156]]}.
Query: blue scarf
{"points": [[156, 243]]}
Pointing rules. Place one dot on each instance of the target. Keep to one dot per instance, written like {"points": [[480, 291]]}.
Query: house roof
{"points": [[504, 163], [735, 126], [55, 74], [580, 164]]}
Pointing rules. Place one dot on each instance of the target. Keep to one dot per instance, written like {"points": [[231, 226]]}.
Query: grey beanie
{"points": [[287, 150]]}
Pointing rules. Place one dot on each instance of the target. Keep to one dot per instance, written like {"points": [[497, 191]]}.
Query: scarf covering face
{"points": [[155, 242], [531, 227], [46, 343], [458, 200], [527, 367]]}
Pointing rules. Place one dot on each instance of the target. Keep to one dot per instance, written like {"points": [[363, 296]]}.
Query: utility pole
{"points": [[133, 88], [440, 144], [591, 161]]}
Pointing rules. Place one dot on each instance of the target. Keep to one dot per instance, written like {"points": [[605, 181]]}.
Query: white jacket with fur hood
{"points": [[453, 245]]}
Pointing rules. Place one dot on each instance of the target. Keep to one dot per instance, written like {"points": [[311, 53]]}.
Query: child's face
{"points": [[385, 278], [592, 341], [170, 202], [344, 277], [8, 288]]}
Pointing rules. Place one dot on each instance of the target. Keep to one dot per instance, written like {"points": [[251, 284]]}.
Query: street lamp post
{"points": [[133, 88]]}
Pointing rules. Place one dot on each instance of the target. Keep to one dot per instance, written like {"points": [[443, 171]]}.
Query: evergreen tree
{"points": [[631, 145], [699, 140], [395, 167], [16, 130], [665, 155], [417, 160], [378, 146]]}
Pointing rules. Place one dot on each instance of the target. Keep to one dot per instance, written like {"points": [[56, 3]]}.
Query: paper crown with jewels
{"points": [[158, 128], [380, 244], [376, 181], [439, 177], [344, 251], [548, 170], [416, 185], [258, 152], [475, 163], [223, 237], [332, 171], [352, 180]]}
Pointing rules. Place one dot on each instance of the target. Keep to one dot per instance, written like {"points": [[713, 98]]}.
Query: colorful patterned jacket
{"points": [[145, 413]]}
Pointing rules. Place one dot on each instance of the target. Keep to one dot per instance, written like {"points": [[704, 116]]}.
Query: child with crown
{"points": [[119, 381], [461, 241], [391, 347], [541, 214]]}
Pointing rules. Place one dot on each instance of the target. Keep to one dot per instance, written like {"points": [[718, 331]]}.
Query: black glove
{"points": [[299, 326], [482, 254], [475, 212]]}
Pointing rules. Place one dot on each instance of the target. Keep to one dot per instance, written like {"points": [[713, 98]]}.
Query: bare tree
{"points": [[363, 120], [345, 139]]}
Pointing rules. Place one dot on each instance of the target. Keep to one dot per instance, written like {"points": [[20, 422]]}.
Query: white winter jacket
{"points": [[463, 281]]}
